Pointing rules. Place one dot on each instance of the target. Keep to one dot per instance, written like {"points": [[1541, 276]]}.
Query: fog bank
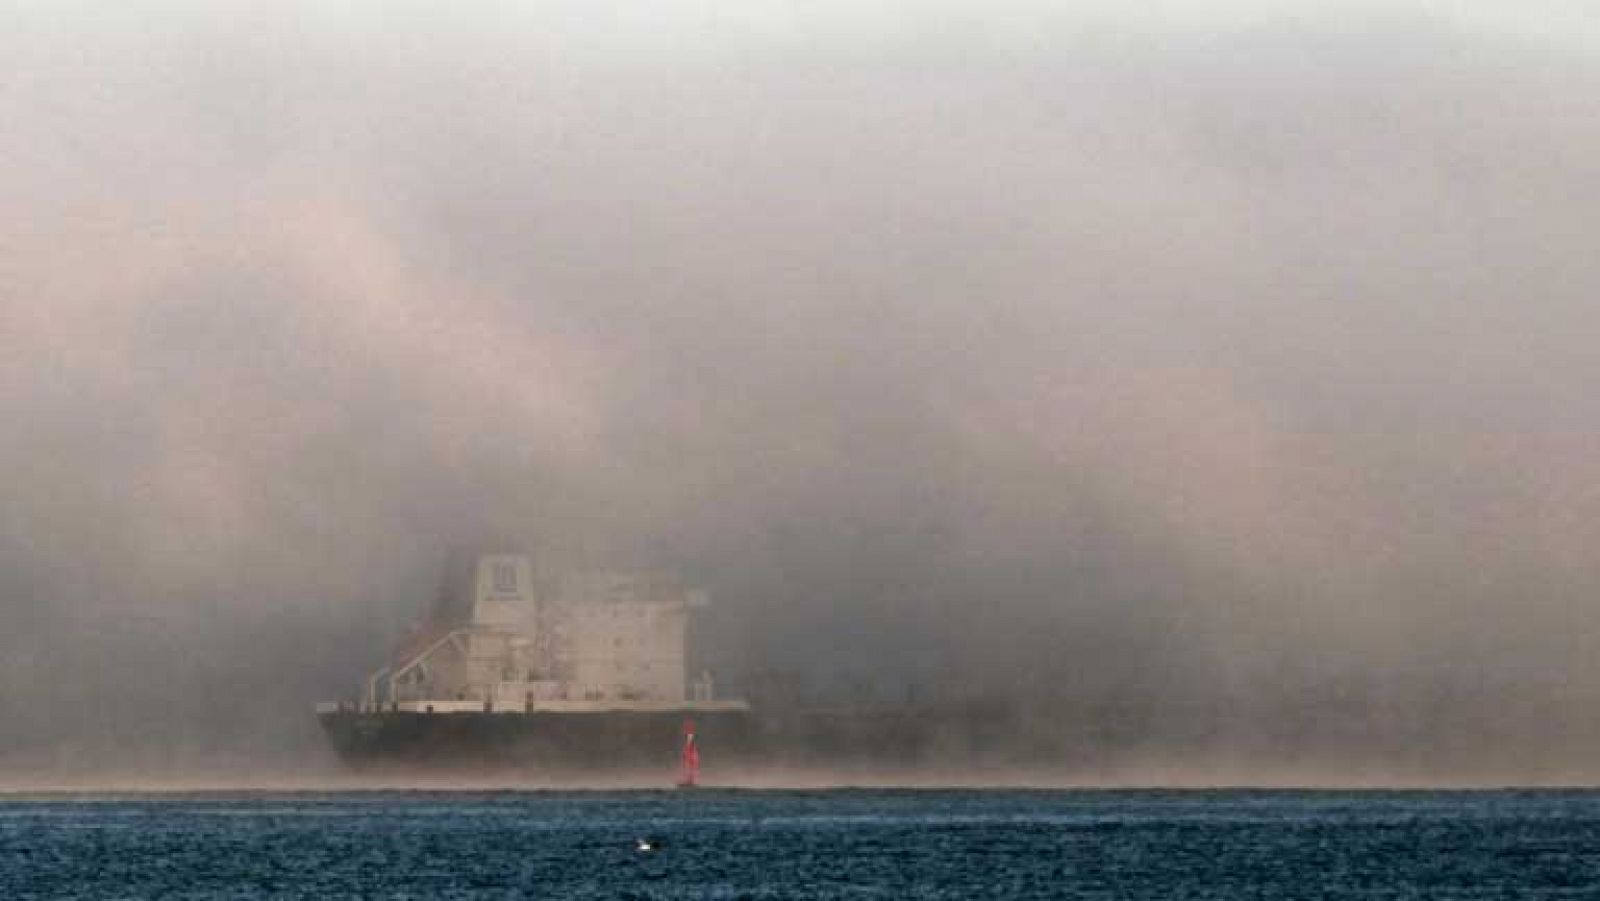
{"points": [[1212, 386]]}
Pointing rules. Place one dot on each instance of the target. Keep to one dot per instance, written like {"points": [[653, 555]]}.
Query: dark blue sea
{"points": [[823, 844]]}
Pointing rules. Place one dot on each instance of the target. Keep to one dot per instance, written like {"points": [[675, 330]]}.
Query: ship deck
{"points": [[548, 706]]}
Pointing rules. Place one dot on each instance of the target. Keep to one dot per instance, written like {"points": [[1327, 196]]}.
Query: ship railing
{"points": [[395, 674], [369, 698]]}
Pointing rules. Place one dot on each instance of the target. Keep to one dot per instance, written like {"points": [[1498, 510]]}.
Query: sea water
{"points": [[803, 844]]}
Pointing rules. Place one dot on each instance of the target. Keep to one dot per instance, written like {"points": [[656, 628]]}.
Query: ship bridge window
{"points": [[504, 576]]}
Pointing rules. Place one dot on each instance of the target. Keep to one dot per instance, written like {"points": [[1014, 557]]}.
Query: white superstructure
{"points": [[579, 642]]}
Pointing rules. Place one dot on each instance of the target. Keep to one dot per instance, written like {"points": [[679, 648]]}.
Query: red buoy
{"points": [[690, 776]]}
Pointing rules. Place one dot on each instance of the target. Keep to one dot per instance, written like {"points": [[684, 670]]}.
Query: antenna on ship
{"points": [[690, 775]]}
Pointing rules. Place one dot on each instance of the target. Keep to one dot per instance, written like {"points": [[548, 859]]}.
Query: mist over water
{"points": [[1217, 394]]}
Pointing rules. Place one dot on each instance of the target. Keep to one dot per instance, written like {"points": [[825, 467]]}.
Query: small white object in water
{"points": [[643, 844]]}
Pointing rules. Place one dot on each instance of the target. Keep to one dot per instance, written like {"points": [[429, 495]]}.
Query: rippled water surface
{"points": [[831, 844]]}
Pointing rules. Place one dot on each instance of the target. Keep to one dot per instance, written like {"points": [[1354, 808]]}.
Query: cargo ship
{"points": [[521, 670], [577, 670]]}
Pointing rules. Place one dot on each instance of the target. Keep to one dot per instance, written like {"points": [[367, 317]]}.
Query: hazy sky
{"points": [[1221, 356]]}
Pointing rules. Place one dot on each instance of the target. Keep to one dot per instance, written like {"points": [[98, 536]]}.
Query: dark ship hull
{"points": [[613, 740], [601, 740]]}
